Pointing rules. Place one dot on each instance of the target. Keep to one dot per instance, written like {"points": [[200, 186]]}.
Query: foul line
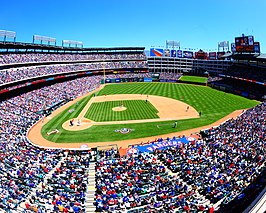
{"points": [[85, 109]]}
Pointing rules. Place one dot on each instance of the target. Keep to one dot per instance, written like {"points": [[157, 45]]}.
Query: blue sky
{"points": [[112, 23]]}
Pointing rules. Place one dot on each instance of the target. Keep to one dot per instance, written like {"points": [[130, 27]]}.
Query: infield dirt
{"points": [[169, 109]]}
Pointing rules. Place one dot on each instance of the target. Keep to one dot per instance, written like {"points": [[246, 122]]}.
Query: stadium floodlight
{"points": [[223, 45], [70, 42], [172, 44], [8, 34], [44, 39]]}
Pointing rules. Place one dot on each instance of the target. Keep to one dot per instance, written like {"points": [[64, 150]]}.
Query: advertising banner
{"points": [[117, 80], [173, 53], [179, 53], [233, 47], [167, 53], [188, 54], [161, 145], [257, 47], [212, 55], [219, 55], [156, 52], [147, 79]]}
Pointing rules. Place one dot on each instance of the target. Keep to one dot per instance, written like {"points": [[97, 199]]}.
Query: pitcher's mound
{"points": [[120, 108]]}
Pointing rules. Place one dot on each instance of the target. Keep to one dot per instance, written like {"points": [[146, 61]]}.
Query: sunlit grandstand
{"points": [[70, 143]]}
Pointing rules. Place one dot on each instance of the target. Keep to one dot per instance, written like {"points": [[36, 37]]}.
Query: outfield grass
{"points": [[213, 105], [136, 110], [194, 79]]}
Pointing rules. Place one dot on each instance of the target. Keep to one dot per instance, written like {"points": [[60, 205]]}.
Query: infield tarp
{"points": [[162, 145]]}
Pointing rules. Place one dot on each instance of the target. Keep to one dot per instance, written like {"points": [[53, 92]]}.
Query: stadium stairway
{"points": [[203, 200], [91, 189], [33, 192]]}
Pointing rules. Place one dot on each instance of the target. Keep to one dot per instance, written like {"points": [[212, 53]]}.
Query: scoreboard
{"points": [[244, 44]]}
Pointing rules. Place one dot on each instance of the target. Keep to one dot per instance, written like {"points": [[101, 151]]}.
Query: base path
{"points": [[35, 135]]}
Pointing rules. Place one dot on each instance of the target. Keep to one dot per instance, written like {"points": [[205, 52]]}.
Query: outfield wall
{"points": [[147, 80]]}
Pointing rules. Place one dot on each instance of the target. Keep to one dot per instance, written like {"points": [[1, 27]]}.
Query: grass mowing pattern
{"points": [[58, 120], [195, 79], [136, 110], [213, 104]]}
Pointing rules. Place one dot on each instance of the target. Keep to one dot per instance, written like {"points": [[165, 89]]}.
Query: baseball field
{"points": [[195, 79], [142, 109]]}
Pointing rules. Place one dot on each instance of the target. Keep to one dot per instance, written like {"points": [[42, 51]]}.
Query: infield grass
{"points": [[213, 105], [136, 110], [194, 79]]}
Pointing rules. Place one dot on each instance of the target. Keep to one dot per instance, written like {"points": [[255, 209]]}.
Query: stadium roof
{"points": [[27, 47], [226, 55], [262, 56]]}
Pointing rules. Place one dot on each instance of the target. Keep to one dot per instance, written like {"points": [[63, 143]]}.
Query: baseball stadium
{"points": [[115, 130], [132, 129]]}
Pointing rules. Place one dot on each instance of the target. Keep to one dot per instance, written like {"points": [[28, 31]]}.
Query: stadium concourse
{"points": [[223, 170]]}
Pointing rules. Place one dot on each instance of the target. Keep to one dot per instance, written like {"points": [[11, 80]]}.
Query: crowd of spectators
{"points": [[24, 166], [191, 177], [15, 74], [170, 75], [251, 72], [48, 96], [140, 182], [65, 190], [245, 88], [215, 168], [20, 112], [39, 99], [12, 58]]}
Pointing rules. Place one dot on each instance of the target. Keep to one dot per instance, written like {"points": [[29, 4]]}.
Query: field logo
{"points": [[84, 146], [55, 131], [71, 110], [124, 130], [132, 150]]}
